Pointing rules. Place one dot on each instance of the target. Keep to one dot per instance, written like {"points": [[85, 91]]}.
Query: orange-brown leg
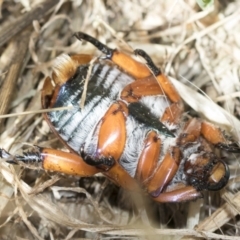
{"points": [[111, 143], [190, 133], [133, 67], [121, 178], [149, 157], [111, 137], [146, 87], [202, 174], [53, 160], [169, 166], [126, 62], [165, 172], [205, 172], [174, 111], [156, 181], [185, 193], [69, 163], [215, 136], [112, 133]]}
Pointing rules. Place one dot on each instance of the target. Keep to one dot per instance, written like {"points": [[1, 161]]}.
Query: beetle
{"points": [[131, 128]]}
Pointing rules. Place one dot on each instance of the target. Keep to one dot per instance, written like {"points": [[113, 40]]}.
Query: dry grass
{"points": [[198, 48]]}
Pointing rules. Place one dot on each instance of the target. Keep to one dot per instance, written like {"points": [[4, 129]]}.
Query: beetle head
{"points": [[205, 171]]}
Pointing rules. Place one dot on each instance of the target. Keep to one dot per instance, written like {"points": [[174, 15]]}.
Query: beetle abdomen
{"points": [[75, 125], [79, 128]]}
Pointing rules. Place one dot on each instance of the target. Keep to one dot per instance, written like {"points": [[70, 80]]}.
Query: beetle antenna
{"points": [[155, 70], [102, 47]]}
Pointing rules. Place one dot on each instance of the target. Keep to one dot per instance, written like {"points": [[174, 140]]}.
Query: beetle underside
{"points": [[131, 128]]}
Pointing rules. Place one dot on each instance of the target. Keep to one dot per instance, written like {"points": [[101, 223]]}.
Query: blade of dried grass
{"points": [[168, 232], [89, 197], [193, 213], [35, 112], [11, 29], [5, 197], [205, 65], [86, 80], [191, 238], [233, 201], [222, 215], [228, 96], [24, 217], [40, 188], [20, 46], [123, 43], [5, 189], [206, 107], [205, 31], [71, 233], [45, 208]]}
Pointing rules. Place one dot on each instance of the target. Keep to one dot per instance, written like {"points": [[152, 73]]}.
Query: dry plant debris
{"points": [[198, 49]]}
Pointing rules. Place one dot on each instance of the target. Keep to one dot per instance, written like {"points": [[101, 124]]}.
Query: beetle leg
{"points": [[69, 163], [162, 80], [173, 113], [111, 143], [190, 133], [149, 157], [121, 178], [137, 89], [185, 193], [215, 136], [126, 62], [101, 162], [165, 171], [53, 160], [204, 171], [112, 133]]}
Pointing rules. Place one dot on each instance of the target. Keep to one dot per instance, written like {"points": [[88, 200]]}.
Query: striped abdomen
{"points": [[74, 126], [79, 127]]}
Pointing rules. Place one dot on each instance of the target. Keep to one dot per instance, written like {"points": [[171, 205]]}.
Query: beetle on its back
{"points": [[131, 128]]}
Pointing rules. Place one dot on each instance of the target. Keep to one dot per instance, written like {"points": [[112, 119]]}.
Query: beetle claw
{"points": [[102, 47], [7, 156], [139, 52], [232, 147], [104, 163]]}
